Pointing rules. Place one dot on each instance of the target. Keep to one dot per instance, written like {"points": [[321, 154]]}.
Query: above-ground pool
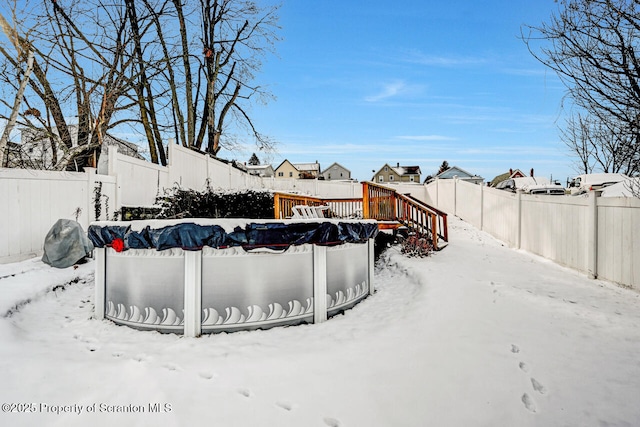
{"points": [[212, 275]]}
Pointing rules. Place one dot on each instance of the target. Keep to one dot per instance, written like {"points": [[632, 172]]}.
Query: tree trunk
{"points": [[16, 106]]}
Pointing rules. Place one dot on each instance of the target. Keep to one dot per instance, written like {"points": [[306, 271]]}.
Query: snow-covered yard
{"points": [[475, 335]]}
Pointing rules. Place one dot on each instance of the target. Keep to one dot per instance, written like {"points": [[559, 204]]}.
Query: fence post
{"points": [[100, 257], [372, 260], [113, 171], [455, 196], [192, 293], [519, 221], [481, 206], [592, 239], [366, 214], [319, 284]]}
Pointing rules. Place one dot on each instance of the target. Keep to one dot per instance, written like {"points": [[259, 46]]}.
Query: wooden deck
{"points": [[390, 208]]}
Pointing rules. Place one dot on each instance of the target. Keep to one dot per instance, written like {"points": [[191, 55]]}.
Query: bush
{"points": [[180, 203], [417, 245]]}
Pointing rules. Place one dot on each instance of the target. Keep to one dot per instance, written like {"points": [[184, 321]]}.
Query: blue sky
{"points": [[415, 82]]}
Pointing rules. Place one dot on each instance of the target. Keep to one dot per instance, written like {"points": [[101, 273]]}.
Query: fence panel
{"points": [[618, 252], [139, 182], [554, 227], [32, 201], [500, 215], [468, 202]]}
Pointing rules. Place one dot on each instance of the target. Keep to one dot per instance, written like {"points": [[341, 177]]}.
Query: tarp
{"points": [[193, 237], [65, 244]]}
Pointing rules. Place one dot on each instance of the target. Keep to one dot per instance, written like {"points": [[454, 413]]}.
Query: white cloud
{"points": [[388, 91]]}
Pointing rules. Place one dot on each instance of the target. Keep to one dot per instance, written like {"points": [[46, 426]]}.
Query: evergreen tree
{"points": [[443, 167], [254, 160]]}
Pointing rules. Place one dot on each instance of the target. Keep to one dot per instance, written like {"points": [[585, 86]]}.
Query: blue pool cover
{"points": [[193, 237]]}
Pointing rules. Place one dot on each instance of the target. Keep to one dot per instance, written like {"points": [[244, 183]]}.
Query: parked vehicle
{"points": [[531, 185], [582, 184]]}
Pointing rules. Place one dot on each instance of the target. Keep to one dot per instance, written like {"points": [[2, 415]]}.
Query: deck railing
{"points": [[380, 203], [386, 204], [338, 208]]}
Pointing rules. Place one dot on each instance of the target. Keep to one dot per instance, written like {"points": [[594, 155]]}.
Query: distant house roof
{"points": [[307, 167], [513, 173], [335, 164], [407, 170], [261, 170], [456, 171]]}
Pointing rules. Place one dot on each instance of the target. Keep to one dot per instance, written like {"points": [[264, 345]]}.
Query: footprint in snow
{"points": [[331, 422], [171, 366], [524, 367], [117, 354], [284, 405], [538, 387], [244, 392], [528, 403], [140, 357], [207, 375], [515, 348]]}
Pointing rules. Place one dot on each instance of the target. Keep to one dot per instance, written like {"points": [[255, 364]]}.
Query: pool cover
{"points": [[193, 237]]}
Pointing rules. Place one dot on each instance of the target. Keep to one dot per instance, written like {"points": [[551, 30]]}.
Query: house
{"points": [[397, 174], [265, 171], [308, 170], [517, 173], [456, 172], [336, 172], [286, 169], [35, 151]]}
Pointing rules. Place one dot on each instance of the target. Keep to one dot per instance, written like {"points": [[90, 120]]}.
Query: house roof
{"points": [[286, 161], [407, 170], [513, 173], [335, 164], [258, 167], [456, 170], [401, 170], [307, 167]]}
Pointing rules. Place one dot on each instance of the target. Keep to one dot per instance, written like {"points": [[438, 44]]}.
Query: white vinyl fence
{"points": [[595, 235], [32, 201]]}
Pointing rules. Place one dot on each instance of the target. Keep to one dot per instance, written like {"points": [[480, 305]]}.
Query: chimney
{"points": [[531, 172], [510, 171], [398, 164]]}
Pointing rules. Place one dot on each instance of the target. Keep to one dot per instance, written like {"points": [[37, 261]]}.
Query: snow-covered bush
{"points": [[181, 203]]}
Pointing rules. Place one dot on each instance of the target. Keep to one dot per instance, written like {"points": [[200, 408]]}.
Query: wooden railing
{"points": [[386, 204], [379, 203], [338, 208]]}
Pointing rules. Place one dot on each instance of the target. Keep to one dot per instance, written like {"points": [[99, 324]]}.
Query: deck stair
{"points": [[390, 208]]}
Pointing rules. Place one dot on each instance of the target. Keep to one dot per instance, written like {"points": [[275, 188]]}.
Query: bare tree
{"points": [[162, 67], [77, 72], [22, 52], [593, 47], [233, 37]]}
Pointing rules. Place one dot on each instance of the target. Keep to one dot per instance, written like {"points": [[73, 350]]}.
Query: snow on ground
{"points": [[475, 335]]}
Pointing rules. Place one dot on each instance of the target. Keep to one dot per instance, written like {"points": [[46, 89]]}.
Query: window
{"points": [[290, 174], [329, 176], [280, 173], [381, 178], [386, 169], [411, 178], [390, 177]]}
